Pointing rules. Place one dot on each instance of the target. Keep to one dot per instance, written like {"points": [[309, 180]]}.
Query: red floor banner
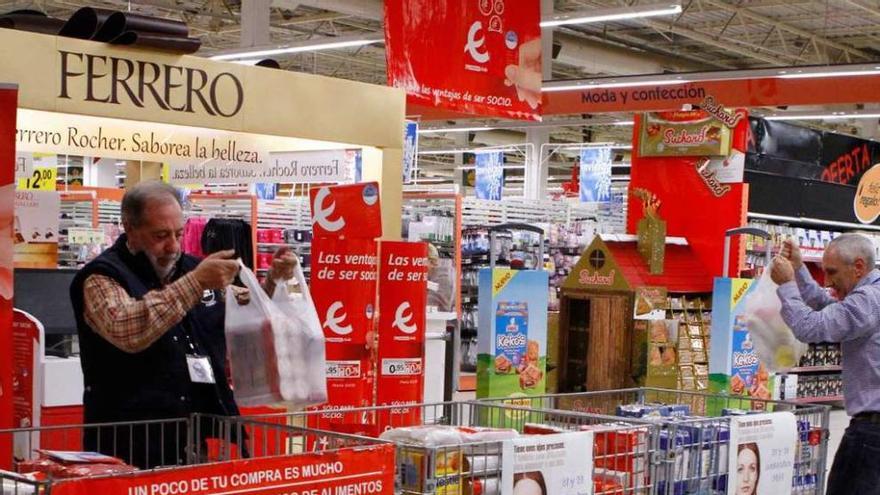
{"points": [[8, 107], [403, 297], [343, 285]]}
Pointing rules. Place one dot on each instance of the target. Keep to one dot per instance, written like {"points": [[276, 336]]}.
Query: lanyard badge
{"points": [[200, 370]]}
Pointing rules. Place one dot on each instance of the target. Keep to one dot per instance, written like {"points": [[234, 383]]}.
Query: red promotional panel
{"points": [[403, 278], [349, 386], [480, 57], [343, 287], [364, 470], [8, 107], [351, 211], [26, 337], [690, 205]]}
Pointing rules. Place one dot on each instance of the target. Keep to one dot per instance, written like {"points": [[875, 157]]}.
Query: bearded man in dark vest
{"points": [[150, 321]]}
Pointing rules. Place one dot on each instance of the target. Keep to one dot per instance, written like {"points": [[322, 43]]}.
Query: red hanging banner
{"points": [[8, 107], [350, 211], [403, 279], [480, 57]]}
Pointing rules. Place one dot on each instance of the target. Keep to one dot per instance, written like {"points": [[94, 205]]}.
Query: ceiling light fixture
{"points": [[803, 72], [614, 84], [800, 74], [454, 129], [467, 150], [505, 167], [529, 125], [830, 116], [323, 44], [607, 15]]}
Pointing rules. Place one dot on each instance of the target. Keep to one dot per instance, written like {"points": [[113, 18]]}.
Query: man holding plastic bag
{"points": [[151, 326], [852, 318]]}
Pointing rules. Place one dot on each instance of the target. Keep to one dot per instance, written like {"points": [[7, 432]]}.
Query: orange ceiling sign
{"points": [[768, 91]]}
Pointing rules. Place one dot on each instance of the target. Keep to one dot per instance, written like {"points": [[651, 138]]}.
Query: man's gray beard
{"points": [[162, 273]]}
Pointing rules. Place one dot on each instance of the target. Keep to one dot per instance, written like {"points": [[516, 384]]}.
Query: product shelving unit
{"points": [[814, 400], [813, 234], [284, 214], [815, 369], [78, 211], [695, 321], [435, 218], [234, 206], [478, 215]]}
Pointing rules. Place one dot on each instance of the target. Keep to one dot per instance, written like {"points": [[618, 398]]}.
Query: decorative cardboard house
{"points": [[611, 303]]}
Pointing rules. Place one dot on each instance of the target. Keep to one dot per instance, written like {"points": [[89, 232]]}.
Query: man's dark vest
{"points": [[153, 383]]}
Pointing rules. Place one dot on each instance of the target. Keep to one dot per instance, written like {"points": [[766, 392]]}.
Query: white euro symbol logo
{"points": [[473, 44], [332, 321], [402, 321], [322, 215]]}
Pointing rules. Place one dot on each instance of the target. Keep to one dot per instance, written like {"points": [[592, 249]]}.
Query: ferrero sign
{"points": [[77, 77], [143, 83]]}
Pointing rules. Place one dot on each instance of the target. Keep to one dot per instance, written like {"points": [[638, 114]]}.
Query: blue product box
{"points": [[648, 410]]}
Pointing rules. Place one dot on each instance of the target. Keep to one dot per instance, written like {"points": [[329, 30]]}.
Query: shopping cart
{"points": [[693, 453], [187, 455], [623, 452]]}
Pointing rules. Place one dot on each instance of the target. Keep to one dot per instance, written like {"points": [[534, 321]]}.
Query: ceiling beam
{"points": [[727, 45], [870, 10], [637, 43], [756, 17], [368, 9]]}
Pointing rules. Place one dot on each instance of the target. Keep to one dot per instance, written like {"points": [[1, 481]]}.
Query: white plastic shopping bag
{"points": [[265, 354], [307, 383], [773, 341]]}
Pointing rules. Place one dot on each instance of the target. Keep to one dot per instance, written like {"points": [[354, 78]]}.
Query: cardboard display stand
{"points": [[512, 338], [608, 295], [734, 367]]}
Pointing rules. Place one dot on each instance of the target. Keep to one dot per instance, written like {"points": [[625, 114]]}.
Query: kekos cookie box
{"points": [[512, 345]]}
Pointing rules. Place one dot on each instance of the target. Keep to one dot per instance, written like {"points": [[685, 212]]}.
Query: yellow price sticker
{"points": [[42, 179]]}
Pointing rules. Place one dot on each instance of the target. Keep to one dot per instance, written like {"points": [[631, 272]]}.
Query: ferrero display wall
{"points": [[96, 100]]}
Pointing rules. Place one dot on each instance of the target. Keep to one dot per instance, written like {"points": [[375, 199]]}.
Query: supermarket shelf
{"points": [[277, 244], [812, 369], [810, 400], [812, 221], [808, 254]]}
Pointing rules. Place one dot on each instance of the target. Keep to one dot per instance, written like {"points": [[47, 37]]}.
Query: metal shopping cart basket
{"points": [[623, 451], [185, 456], [694, 451]]}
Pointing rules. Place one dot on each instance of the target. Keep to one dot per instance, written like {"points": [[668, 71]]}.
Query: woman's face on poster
{"points": [[746, 472]]}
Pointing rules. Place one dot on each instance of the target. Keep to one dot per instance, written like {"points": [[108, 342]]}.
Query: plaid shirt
{"points": [[132, 324]]}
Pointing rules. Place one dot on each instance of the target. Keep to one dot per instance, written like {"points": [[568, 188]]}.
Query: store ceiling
{"points": [[709, 34]]}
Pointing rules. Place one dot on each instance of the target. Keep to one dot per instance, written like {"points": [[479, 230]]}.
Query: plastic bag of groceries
{"points": [[268, 362], [309, 379], [773, 341]]}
